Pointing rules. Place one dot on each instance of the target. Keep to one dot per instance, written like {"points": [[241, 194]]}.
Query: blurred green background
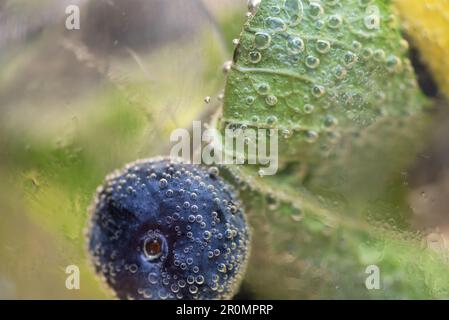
{"points": [[75, 105]]}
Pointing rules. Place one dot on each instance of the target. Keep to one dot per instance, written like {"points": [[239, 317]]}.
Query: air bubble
{"points": [[271, 119], [193, 289], [294, 10], [312, 62], [404, 45], [255, 56], [153, 278], [181, 283], [367, 53], [207, 235], [379, 55], [315, 10], [253, 5], [213, 172], [275, 10], [323, 46], [335, 21], [162, 294], [131, 189], [262, 40], [308, 108], [147, 294], [372, 18], [227, 66], [263, 88], [221, 268], [311, 136], [371, 22], [340, 72], [133, 268], [199, 279], [394, 64], [163, 183], [356, 45], [318, 91], [295, 45], [350, 59], [275, 24], [249, 100], [213, 286], [330, 122]]}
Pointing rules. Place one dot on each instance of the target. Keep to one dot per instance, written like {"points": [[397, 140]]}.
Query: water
{"points": [[77, 104]]}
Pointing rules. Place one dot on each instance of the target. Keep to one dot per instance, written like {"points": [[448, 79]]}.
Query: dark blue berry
{"points": [[162, 229]]}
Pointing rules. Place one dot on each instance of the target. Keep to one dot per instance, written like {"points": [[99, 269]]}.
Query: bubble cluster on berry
{"points": [[163, 229]]}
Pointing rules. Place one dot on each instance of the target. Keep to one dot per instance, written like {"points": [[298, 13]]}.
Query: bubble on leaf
{"points": [[271, 119], [295, 45], [262, 40], [318, 91], [311, 136], [349, 59], [335, 21], [379, 55], [312, 62], [315, 10], [394, 64], [275, 24], [367, 53], [372, 18], [323, 46], [340, 72], [255, 56], [294, 10], [308, 108], [263, 88]]}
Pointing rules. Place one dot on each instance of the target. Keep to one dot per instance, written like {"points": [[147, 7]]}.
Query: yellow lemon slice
{"points": [[427, 23]]}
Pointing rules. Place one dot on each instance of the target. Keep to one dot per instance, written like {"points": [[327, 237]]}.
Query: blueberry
{"points": [[163, 229]]}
